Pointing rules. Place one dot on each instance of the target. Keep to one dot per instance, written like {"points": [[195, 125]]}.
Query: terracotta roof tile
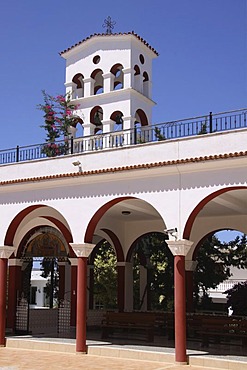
{"points": [[111, 35], [127, 168]]}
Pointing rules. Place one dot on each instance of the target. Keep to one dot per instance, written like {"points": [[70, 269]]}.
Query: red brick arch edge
{"points": [[98, 215], [199, 207]]}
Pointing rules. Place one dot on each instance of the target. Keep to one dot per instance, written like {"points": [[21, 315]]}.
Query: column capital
{"points": [[61, 263], [73, 261], [123, 264], [15, 262], [108, 75], [69, 84], [190, 265], [89, 79], [179, 247], [6, 251], [83, 249], [127, 70]]}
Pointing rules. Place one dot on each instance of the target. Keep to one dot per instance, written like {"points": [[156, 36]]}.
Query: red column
{"points": [[3, 291], [180, 310], [120, 287], [14, 286], [81, 307]]}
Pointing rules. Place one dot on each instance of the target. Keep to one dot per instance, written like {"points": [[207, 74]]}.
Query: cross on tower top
{"points": [[109, 24]]}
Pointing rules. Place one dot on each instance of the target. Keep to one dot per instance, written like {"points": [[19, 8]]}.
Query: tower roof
{"points": [[110, 35]]}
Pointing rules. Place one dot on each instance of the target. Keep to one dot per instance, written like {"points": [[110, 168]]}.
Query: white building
{"points": [[37, 289], [126, 185]]}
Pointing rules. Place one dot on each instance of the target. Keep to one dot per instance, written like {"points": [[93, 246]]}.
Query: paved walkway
{"points": [[14, 359]]}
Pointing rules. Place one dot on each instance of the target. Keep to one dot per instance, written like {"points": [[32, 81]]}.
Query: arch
{"points": [[145, 77], [96, 116], [34, 238], [133, 245], [9, 238], [98, 215], [97, 75], [141, 117], [145, 84], [116, 244], [79, 90], [117, 117], [201, 205], [117, 71], [137, 70], [15, 229]]}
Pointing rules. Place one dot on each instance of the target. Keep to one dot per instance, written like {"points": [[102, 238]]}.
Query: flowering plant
{"points": [[58, 116]]}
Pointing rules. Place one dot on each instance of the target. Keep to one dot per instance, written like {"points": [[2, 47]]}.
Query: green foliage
{"points": [[105, 276], [214, 262], [158, 134], [159, 271], [49, 270], [58, 117], [237, 299], [203, 129], [211, 256]]}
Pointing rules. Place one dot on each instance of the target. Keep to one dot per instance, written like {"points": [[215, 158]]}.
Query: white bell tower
{"points": [[109, 77]]}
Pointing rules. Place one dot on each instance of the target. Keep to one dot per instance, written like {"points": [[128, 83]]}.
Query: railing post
{"points": [[17, 153], [210, 122], [72, 145], [135, 134]]}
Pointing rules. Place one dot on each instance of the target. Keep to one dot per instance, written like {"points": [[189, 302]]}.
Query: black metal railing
{"points": [[225, 121]]}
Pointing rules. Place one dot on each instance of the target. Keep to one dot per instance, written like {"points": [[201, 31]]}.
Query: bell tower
{"points": [[109, 77]]}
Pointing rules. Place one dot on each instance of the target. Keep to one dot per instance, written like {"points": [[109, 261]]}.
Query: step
{"points": [[120, 352], [38, 345]]}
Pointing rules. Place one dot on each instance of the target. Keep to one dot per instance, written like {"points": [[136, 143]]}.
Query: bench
{"points": [[221, 329], [120, 324]]}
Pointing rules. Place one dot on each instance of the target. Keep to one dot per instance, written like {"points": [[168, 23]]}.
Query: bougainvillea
{"points": [[58, 117]]}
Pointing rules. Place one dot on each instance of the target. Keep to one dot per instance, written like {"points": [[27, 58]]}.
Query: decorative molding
{"points": [[6, 251], [127, 168], [82, 250], [179, 247]]}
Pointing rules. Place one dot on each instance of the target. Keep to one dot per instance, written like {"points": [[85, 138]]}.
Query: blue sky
{"points": [[202, 64]]}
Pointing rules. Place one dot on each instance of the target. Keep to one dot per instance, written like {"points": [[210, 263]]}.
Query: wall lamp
{"points": [[78, 164]]}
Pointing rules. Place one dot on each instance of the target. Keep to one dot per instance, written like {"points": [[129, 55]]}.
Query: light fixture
{"points": [[172, 232], [126, 213], [78, 163]]}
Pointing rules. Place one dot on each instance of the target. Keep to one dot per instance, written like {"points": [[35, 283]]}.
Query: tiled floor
{"points": [[114, 354], [13, 359]]}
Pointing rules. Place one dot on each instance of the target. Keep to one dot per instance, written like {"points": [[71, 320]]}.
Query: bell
{"points": [[119, 119]]}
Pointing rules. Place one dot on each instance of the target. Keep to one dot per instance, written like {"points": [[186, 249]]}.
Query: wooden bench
{"points": [[134, 324], [223, 328]]}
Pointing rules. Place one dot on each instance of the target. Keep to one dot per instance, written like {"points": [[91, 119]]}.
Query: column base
{"points": [[181, 363]]}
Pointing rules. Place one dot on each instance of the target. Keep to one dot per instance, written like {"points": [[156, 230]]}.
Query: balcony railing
{"points": [[225, 121]]}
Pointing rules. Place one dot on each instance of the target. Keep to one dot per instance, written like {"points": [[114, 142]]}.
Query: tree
{"points": [[105, 276], [214, 264], [159, 264], [58, 116], [237, 299]]}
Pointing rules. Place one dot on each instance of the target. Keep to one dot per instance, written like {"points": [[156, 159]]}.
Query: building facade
{"points": [[118, 184]]}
